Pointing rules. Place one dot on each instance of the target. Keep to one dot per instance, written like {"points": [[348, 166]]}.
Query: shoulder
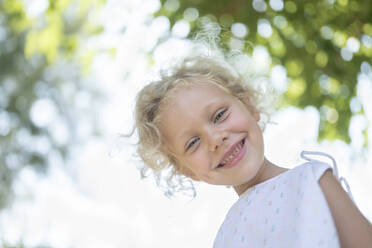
{"points": [[314, 169], [353, 228]]}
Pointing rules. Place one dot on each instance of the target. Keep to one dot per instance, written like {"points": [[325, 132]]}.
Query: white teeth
{"points": [[233, 154]]}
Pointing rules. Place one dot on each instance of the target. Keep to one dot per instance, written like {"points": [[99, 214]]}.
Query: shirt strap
{"points": [[342, 180]]}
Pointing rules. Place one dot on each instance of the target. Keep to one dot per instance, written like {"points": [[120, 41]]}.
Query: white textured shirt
{"points": [[288, 210]]}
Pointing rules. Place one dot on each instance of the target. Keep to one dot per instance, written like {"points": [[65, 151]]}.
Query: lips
{"points": [[233, 155]]}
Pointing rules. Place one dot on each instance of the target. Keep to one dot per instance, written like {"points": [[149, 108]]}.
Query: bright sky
{"points": [[106, 204]]}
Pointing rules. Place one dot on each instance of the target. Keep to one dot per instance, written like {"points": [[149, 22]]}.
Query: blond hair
{"points": [[151, 99]]}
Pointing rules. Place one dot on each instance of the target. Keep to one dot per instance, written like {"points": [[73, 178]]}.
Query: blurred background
{"points": [[69, 73]]}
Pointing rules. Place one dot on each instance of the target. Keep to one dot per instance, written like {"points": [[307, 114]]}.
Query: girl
{"points": [[200, 121]]}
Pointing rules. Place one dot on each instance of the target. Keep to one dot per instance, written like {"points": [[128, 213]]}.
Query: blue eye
{"points": [[192, 143], [219, 115]]}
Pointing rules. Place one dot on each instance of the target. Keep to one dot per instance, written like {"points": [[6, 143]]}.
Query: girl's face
{"points": [[212, 134]]}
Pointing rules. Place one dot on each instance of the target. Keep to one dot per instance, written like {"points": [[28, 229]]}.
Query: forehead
{"points": [[195, 91], [193, 97]]}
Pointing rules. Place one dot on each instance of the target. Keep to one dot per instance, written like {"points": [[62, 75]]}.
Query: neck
{"points": [[267, 170]]}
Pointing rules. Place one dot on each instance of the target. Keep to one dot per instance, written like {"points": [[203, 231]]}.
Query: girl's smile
{"points": [[233, 155], [213, 135]]}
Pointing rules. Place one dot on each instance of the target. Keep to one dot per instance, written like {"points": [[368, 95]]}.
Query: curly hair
{"points": [[152, 98]]}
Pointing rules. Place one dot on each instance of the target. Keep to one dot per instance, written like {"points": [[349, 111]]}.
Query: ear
{"points": [[256, 115]]}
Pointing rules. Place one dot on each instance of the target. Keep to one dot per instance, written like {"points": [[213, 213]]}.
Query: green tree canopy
{"points": [[323, 44], [41, 85]]}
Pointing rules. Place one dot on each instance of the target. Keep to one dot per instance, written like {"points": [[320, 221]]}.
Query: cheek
{"points": [[198, 161], [196, 168], [239, 120]]}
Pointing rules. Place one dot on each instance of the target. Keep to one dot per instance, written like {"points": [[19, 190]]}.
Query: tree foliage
{"points": [[42, 90], [323, 45]]}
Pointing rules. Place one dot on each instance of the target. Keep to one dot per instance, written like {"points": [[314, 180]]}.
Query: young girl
{"points": [[200, 121]]}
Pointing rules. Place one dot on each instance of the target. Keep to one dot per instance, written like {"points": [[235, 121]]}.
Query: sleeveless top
{"points": [[288, 210]]}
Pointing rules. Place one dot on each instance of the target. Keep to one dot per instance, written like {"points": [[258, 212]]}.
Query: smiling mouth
{"points": [[232, 156]]}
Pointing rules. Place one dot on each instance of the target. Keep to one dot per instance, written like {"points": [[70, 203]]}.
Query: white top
{"points": [[288, 210]]}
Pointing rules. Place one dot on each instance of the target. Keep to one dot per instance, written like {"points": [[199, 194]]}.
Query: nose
{"points": [[216, 140]]}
